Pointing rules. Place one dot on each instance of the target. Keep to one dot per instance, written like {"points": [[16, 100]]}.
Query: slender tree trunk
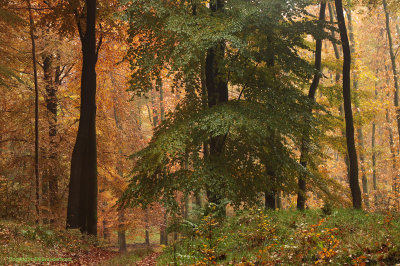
{"points": [[186, 196], [335, 48], [351, 148], [162, 109], [205, 106], [35, 78], [364, 177], [121, 231], [396, 86], [374, 178], [217, 92], [146, 228], [301, 196], [52, 105], [394, 66], [270, 194], [392, 148], [121, 212], [163, 227], [106, 233], [279, 199], [82, 198], [337, 79]]}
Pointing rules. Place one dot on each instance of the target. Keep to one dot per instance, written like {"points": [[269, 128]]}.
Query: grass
{"points": [[288, 237]]}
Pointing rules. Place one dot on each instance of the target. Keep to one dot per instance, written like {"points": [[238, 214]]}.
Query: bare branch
{"points": [[100, 42]]}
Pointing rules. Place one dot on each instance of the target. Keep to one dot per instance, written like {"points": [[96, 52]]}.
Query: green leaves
{"points": [[260, 131]]}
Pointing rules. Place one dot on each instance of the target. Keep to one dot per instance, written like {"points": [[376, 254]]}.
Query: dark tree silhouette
{"points": [[351, 147], [82, 198], [301, 196]]}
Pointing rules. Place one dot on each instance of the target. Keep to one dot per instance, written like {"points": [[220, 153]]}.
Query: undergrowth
{"points": [[20, 240], [288, 237]]}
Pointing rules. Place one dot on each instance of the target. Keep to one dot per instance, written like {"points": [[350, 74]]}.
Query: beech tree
{"points": [[351, 148], [301, 196], [253, 108], [35, 78], [82, 197]]}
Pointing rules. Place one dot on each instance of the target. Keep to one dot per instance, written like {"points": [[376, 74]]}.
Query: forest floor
{"points": [[23, 244], [251, 237], [288, 237]]}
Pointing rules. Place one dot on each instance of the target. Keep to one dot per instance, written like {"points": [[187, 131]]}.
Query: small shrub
{"points": [[327, 209]]}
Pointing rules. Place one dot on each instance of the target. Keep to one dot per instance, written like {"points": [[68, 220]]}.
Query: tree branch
{"points": [[78, 23], [100, 42]]}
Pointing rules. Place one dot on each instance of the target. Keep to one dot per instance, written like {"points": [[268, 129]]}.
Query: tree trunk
{"points": [[301, 196], [217, 92], [146, 228], [163, 226], [396, 88], [106, 233], [121, 231], [335, 48], [121, 213], [374, 180], [392, 148], [270, 194], [35, 78], [337, 79], [162, 109], [269, 200], [351, 148], [163, 229], [82, 198], [394, 67], [52, 105], [364, 178]]}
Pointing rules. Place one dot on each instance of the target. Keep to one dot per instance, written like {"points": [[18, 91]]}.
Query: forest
{"points": [[199, 132]]}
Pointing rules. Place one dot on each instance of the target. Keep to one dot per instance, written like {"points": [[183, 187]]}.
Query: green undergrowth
{"points": [[19, 240], [288, 237]]}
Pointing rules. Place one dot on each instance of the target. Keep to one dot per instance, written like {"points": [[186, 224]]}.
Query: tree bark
{"points": [[374, 176], [35, 78], [217, 93], [331, 16], [351, 148], [394, 66], [121, 232], [163, 226], [364, 177], [163, 229], [52, 84], [337, 79], [392, 148], [374, 179], [121, 212], [395, 187], [82, 198], [301, 196], [146, 228]]}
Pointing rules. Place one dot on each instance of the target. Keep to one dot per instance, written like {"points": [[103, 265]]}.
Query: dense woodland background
{"points": [[124, 118]]}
